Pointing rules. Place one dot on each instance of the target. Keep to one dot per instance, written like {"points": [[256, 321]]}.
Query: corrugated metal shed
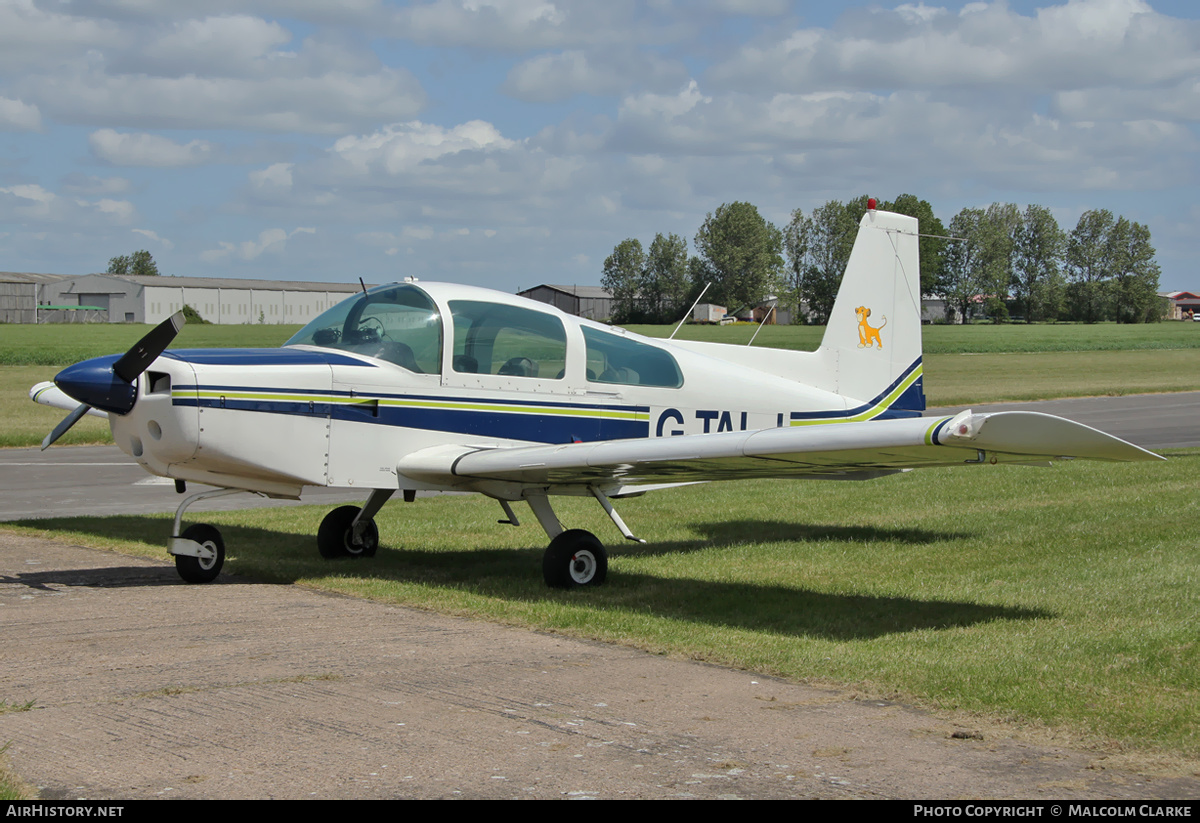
{"points": [[20, 293]]}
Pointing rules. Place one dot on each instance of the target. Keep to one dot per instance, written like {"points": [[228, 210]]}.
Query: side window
{"points": [[612, 358], [491, 338]]}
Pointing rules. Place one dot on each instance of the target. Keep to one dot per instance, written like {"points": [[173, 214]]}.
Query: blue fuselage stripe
{"points": [[529, 426]]}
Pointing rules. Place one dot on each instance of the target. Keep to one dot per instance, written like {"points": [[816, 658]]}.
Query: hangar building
{"points": [[140, 299]]}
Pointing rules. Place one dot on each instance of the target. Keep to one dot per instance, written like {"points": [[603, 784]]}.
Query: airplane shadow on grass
{"points": [[515, 574]]}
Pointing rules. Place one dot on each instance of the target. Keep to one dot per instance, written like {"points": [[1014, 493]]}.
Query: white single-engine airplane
{"points": [[414, 386]]}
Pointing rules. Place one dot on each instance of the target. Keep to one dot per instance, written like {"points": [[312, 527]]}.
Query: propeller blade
{"points": [[67, 422], [138, 359]]}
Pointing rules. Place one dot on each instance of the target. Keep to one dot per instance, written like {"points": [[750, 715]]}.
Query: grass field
{"points": [[61, 345], [1064, 598]]}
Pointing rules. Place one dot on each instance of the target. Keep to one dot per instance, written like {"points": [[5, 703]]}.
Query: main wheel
{"points": [[575, 558], [201, 569], [335, 538]]}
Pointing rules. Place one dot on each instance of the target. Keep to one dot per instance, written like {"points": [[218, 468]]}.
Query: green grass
{"points": [[26, 423], [962, 379], [11, 786], [974, 339], [61, 345], [64, 344], [1063, 597], [7, 708]]}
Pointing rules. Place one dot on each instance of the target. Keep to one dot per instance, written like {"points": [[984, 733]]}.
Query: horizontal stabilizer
{"points": [[1034, 433]]}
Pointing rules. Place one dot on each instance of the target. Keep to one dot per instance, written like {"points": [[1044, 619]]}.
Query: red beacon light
{"points": [[871, 203]]}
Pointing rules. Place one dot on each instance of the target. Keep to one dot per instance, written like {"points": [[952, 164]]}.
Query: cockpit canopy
{"points": [[401, 323]]}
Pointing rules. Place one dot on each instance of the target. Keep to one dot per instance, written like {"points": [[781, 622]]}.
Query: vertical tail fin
{"points": [[873, 339]]}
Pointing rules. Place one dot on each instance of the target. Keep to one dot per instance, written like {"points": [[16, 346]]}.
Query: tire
{"points": [[334, 537], [575, 558], [198, 569]]}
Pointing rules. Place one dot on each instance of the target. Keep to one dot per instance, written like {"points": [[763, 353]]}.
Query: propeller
{"points": [[110, 383]]}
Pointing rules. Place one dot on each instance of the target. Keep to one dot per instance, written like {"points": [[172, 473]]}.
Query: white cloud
{"points": [[150, 235], [16, 115], [148, 150], [271, 241], [32, 197], [667, 106], [1084, 43], [332, 103], [31, 203], [522, 25], [224, 71], [78, 183], [550, 78], [402, 147], [223, 46], [120, 210], [511, 23], [276, 177], [32, 38]]}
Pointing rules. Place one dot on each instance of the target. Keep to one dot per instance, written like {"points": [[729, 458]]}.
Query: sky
{"points": [[507, 143]]}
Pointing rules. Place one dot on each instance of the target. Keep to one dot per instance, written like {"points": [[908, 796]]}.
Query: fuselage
{"points": [[408, 367]]}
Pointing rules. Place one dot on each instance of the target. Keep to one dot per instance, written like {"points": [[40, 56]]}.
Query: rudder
{"points": [[873, 339]]}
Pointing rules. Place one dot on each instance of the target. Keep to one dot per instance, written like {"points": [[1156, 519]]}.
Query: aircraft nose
{"points": [[93, 382]]}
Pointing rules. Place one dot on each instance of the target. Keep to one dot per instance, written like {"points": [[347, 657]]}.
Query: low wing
{"points": [[47, 394], [839, 451]]}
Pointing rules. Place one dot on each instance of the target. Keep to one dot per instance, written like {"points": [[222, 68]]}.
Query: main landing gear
{"points": [[574, 558], [349, 531], [339, 536]]}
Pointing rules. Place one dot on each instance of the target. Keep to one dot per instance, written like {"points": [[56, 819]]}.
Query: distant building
{"points": [[142, 299], [20, 294], [1184, 305], [591, 302]]}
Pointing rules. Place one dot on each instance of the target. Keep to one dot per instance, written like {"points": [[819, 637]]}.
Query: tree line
{"points": [[999, 262]]}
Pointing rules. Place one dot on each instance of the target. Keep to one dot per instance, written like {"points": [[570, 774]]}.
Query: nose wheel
{"points": [[205, 568], [575, 558]]}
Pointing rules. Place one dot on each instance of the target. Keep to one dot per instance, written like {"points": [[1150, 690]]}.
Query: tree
{"points": [[1037, 283], [623, 277], [797, 239], [192, 316], [818, 251], [997, 237], [742, 253], [665, 282], [1088, 264], [1135, 273], [931, 248], [979, 265], [140, 263], [961, 279]]}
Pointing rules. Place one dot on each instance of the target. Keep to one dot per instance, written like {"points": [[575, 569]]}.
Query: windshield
{"points": [[397, 323]]}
